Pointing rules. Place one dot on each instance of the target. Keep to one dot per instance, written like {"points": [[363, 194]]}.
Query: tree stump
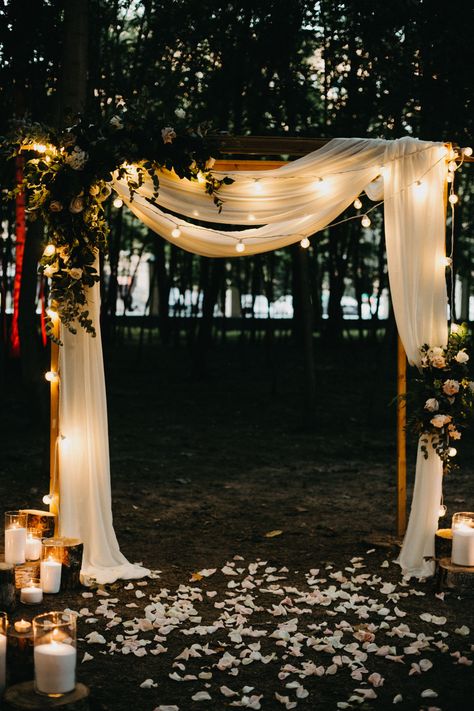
{"points": [[44, 521], [457, 577], [23, 697], [7, 587], [67, 551], [443, 543], [20, 649]]}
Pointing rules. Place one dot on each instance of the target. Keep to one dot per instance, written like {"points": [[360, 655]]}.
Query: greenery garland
{"points": [[67, 178], [445, 396]]}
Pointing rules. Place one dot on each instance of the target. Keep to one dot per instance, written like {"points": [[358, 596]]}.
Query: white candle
{"points": [[31, 595], [463, 545], [50, 571], [3, 662], [55, 668], [32, 548], [15, 544]]}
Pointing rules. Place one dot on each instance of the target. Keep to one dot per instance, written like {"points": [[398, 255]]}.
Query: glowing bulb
{"points": [[366, 221], [467, 151], [118, 202], [383, 171], [49, 250], [305, 243], [195, 213], [201, 178], [447, 261], [240, 246], [442, 510], [420, 188], [455, 328], [176, 233], [357, 204], [48, 499], [40, 147], [52, 314], [453, 199], [452, 451], [449, 177], [452, 166], [51, 376], [251, 218], [257, 186]]}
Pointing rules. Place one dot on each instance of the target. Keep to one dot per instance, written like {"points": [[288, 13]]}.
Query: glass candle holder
{"points": [[463, 539], [32, 592], [3, 650], [55, 653], [15, 537], [33, 544], [50, 568]]}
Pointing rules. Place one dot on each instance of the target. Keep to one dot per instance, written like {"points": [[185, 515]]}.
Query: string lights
{"points": [[118, 202], [305, 243], [357, 204], [51, 376], [366, 221], [176, 232], [257, 186], [240, 246], [49, 250]]}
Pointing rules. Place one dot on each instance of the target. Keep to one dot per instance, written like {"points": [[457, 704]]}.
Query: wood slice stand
{"points": [[459, 577], [443, 543], [23, 697], [44, 521], [67, 551]]}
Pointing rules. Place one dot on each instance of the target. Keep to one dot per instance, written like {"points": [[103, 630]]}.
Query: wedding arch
{"points": [[259, 211]]}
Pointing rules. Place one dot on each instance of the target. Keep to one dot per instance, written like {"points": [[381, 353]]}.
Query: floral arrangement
{"points": [[446, 395], [67, 176]]}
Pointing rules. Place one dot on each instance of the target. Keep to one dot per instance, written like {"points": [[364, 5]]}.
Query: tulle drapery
{"points": [[275, 208]]}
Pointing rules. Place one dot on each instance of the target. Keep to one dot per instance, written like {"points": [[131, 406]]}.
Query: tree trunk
{"points": [[75, 59]]}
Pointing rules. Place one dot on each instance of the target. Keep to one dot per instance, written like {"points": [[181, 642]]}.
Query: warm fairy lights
{"points": [[118, 202], [47, 499], [447, 262], [240, 246], [467, 151], [257, 186], [49, 250], [366, 221], [176, 232], [357, 204], [305, 243], [51, 376], [453, 199]]}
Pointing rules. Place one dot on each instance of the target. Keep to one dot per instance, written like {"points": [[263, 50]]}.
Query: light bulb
{"points": [[447, 261], [52, 314], [442, 510], [118, 202], [257, 186], [40, 147], [467, 151], [251, 218], [201, 178], [452, 166], [240, 246], [176, 232], [47, 499], [366, 221], [453, 199], [49, 250], [449, 177], [357, 204], [305, 243], [452, 451], [51, 376]]}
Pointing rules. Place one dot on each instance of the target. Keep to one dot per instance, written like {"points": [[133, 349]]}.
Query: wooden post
{"points": [[401, 439], [54, 427]]}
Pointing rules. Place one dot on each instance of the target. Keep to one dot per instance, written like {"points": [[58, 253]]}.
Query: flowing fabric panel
{"points": [[290, 203], [415, 222], [85, 495]]}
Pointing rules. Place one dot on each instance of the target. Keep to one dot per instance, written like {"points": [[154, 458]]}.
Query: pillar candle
{"points": [[55, 668], [3, 662], [31, 595], [15, 544], [463, 545], [32, 548], [50, 576]]}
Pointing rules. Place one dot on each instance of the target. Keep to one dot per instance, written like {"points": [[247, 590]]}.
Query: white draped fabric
{"points": [[276, 208]]}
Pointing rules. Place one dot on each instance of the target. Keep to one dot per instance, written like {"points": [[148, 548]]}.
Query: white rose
{"points": [[450, 387], [180, 113], [116, 122], [77, 159], [438, 361], [94, 190], [461, 357], [435, 351], [168, 134], [76, 205], [432, 405], [50, 270], [75, 272], [440, 420], [210, 163], [55, 206]]}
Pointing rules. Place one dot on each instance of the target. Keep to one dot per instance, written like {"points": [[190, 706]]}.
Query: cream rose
{"points": [[94, 190], [210, 163], [451, 387], [432, 405], [168, 134], [50, 270], [55, 206], [75, 272], [116, 122], [440, 420], [77, 159], [461, 357], [76, 205], [438, 361]]}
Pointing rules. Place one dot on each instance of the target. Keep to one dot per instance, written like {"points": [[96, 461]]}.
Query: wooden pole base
{"points": [[23, 696]]}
